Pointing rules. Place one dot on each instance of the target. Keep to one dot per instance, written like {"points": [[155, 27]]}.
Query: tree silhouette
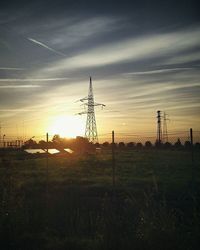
{"points": [[106, 144], [148, 144], [139, 145], [131, 144], [187, 145], [121, 145], [167, 145], [42, 144], [30, 144], [178, 144]]}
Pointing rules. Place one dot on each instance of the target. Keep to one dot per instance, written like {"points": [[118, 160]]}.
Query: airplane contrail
{"points": [[45, 46]]}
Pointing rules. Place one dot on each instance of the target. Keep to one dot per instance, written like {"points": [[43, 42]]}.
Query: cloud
{"points": [[16, 110], [71, 32], [129, 50], [130, 70], [32, 79], [7, 68], [45, 46], [157, 71], [18, 86], [180, 59]]}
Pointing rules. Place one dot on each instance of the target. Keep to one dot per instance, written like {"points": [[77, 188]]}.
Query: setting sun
{"points": [[67, 126]]}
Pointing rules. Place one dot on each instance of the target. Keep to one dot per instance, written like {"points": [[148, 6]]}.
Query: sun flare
{"points": [[67, 126]]}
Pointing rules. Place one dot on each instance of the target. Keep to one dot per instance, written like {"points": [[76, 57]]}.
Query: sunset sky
{"points": [[142, 56]]}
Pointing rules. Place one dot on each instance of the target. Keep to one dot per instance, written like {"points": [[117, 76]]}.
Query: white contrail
{"points": [[45, 46]]}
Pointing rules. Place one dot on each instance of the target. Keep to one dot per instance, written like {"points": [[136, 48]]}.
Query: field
{"points": [[71, 203]]}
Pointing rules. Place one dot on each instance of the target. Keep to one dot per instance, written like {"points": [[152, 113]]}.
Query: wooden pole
{"points": [[47, 162], [113, 158], [47, 179], [192, 155]]}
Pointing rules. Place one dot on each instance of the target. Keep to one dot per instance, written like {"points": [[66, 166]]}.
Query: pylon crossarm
{"points": [[83, 99], [99, 104], [95, 104], [82, 113]]}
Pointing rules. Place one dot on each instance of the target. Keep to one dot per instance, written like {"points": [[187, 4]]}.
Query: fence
{"points": [[43, 194], [172, 137], [178, 138]]}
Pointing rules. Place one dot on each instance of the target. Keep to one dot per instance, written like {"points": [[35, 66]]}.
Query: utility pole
{"points": [[113, 158], [91, 127], [47, 162], [47, 180], [192, 156]]}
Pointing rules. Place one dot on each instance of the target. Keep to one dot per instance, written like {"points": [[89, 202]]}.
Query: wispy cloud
{"points": [[18, 86], [16, 110], [158, 71], [32, 79], [8, 68], [72, 32], [45, 46], [130, 50], [179, 59]]}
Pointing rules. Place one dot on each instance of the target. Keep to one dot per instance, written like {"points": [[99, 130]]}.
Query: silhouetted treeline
{"points": [[80, 144], [149, 145]]}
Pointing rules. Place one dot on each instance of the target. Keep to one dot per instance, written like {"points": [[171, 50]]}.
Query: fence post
{"points": [[192, 156], [113, 158], [47, 180], [47, 163]]}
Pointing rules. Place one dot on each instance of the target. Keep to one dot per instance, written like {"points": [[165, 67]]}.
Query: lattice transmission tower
{"points": [[165, 130], [159, 127], [89, 104]]}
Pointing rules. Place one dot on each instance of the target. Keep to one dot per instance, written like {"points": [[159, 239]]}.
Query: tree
{"points": [[158, 144], [197, 145], [167, 145], [106, 144], [42, 144], [82, 145], [131, 144], [30, 143], [139, 145], [187, 145], [97, 145], [178, 144], [56, 139], [148, 144], [121, 145]]}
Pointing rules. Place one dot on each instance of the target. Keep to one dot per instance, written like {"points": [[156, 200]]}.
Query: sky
{"points": [[143, 56]]}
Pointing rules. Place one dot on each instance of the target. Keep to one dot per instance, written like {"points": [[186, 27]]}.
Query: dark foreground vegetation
{"points": [[73, 205]]}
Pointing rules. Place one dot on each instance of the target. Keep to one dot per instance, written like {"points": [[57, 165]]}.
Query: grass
{"points": [[153, 206]]}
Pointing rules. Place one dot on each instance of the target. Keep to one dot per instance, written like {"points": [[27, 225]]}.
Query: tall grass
{"points": [[151, 207]]}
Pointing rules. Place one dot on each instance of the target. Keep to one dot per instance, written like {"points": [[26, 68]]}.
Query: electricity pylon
{"points": [[159, 127], [91, 127], [165, 131]]}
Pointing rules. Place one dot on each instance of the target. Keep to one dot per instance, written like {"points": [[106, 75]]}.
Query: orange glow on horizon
{"points": [[67, 126]]}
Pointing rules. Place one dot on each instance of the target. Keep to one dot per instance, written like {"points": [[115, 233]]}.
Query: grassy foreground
{"points": [[154, 205]]}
